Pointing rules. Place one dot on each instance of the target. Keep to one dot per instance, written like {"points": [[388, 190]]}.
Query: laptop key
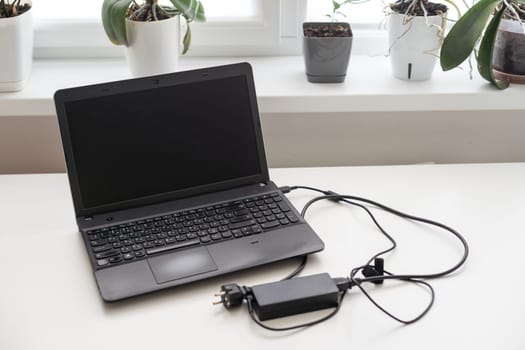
{"points": [[106, 254], [292, 217], [284, 207], [98, 242], [173, 246], [270, 224], [241, 224], [115, 259], [240, 212], [94, 236], [102, 248], [159, 242], [102, 262], [129, 256]]}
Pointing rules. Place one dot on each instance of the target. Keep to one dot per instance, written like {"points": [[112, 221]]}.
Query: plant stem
{"points": [[2, 2], [154, 11]]}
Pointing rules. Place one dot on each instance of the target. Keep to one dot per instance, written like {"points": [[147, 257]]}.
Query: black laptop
{"points": [[170, 183]]}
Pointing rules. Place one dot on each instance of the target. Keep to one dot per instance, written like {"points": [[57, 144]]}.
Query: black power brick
{"points": [[288, 297]]}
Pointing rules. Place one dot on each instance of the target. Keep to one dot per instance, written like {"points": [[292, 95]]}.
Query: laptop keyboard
{"points": [[207, 225]]}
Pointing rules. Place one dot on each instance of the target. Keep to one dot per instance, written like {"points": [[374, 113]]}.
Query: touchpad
{"points": [[186, 263]]}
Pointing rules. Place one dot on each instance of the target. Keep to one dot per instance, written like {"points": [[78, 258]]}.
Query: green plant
{"points": [[336, 6], [465, 34], [115, 13], [13, 8]]}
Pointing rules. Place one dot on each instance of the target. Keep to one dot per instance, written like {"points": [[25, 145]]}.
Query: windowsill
{"points": [[282, 87]]}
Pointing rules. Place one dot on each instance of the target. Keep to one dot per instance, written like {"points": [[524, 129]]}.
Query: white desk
{"points": [[49, 299]]}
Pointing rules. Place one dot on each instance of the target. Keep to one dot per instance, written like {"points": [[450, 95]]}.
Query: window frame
{"points": [[276, 32]]}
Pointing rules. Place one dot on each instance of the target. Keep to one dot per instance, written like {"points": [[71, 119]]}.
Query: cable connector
{"points": [[286, 189], [343, 283], [231, 295], [332, 193], [378, 269]]}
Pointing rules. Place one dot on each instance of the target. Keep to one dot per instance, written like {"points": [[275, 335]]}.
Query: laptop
{"points": [[169, 180]]}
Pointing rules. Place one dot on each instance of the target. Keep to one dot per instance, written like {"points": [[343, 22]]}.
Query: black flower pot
{"points": [[326, 51], [509, 52]]}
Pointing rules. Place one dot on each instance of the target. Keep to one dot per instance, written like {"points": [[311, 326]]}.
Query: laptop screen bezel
{"points": [[62, 97]]}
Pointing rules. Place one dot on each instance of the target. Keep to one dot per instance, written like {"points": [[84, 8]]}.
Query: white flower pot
{"points": [[153, 47], [16, 51], [414, 45]]}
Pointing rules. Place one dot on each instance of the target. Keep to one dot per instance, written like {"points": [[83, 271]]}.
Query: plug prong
{"points": [[220, 294], [217, 302]]}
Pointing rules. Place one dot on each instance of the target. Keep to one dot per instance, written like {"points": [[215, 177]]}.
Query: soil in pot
{"points": [[144, 13], [326, 30], [432, 8]]}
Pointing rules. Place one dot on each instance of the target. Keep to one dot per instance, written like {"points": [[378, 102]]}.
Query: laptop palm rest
{"points": [[186, 263]]}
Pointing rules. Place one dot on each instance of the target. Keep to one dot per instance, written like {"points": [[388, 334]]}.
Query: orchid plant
{"points": [[115, 13], [462, 39]]}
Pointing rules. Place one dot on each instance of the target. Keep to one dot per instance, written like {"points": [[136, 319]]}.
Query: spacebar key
{"points": [[241, 224], [173, 246]]}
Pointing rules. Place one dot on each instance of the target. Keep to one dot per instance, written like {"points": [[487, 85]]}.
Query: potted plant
{"points": [[327, 47], [16, 43], [501, 55], [416, 30], [150, 31]]}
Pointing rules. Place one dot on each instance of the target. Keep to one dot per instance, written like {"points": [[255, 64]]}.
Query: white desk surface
{"points": [[49, 299]]}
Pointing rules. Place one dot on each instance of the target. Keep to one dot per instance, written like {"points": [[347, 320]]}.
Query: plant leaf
{"points": [[462, 38], [336, 5], [114, 20], [486, 51], [190, 9], [186, 40]]}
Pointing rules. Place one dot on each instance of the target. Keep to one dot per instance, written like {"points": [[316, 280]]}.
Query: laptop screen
{"points": [[138, 144]]}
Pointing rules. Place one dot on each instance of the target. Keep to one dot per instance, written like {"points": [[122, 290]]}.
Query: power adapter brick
{"points": [[288, 297]]}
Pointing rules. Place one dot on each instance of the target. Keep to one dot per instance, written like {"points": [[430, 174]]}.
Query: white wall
{"points": [[32, 144], [394, 138]]}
